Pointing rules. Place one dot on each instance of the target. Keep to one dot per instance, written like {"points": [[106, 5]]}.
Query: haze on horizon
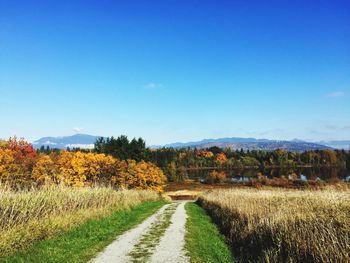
{"points": [[173, 71]]}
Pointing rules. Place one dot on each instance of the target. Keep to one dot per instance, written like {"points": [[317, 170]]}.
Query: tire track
{"points": [[158, 239]]}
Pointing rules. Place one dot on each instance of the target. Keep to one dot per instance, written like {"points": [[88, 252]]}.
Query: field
{"points": [[27, 217], [281, 225]]}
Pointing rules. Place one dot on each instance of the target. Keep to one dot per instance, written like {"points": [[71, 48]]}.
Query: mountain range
{"points": [[251, 144], [86, 141], [341, 144], [83, 141]]}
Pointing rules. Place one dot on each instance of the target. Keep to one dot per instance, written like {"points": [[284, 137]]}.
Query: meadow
{"points": [[27, 217], [66, 206], [282, 225]]}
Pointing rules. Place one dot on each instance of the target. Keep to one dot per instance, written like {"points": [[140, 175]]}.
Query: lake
{"points": [[326, 174]]}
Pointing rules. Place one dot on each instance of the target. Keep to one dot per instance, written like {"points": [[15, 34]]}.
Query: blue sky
{"points": [[175, 70]]}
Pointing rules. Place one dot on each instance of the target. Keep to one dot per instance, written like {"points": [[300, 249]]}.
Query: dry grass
{"points": [[193, 185], [30, 216], [281, 225]]}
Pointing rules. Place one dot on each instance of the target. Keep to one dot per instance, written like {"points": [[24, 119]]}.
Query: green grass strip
{"points": [[204, 242], [84, 242]]}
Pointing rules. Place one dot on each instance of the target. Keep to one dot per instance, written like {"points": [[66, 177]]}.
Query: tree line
{"points": [[22, 166], [176, 162]]}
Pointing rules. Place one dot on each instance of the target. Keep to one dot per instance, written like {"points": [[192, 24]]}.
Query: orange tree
{"points": [[17, 158], [21, 165], [80, 169], [7, 166], [216, 177], [45, 170], [139, 175], [221, 158]]}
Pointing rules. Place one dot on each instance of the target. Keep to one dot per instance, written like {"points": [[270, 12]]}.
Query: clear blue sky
{"points": [[175, 70]]}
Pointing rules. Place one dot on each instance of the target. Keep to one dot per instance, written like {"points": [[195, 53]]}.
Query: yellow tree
{"points": [[45, 171], [72, 171], [7, 165], [205, 154], [99, 167], [141, 175], [79, 169]]}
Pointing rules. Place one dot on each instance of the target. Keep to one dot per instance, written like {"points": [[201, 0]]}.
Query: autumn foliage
{"points": [[205, 154], [139, 175], [216, 177], [17, 158], [221, 158], [21, 165]]}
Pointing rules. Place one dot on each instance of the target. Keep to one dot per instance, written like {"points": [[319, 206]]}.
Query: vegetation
{"points": [[203, 241], [82, 243], [283, 225], [122, 148], [31, 216], [22, 166], [216, 177], [141, 175], [216, 157], [176, 162]]}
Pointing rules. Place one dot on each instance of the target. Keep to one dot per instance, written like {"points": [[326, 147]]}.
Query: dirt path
{"points": [[119, 249], [160, 238], [170, 248]]}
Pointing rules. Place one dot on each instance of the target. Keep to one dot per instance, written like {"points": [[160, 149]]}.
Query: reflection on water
{"points": [[326, 174], [241, 179], [303, 177]]}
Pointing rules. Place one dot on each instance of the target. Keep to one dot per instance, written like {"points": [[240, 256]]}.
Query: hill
{"points": [[83, 141], [341, 144], [250, 144], [86, 141]]}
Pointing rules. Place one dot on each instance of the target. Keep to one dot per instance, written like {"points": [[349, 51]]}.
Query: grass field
{"points": [[84, 242], [32, 216], [203, 241], [280, 225]]}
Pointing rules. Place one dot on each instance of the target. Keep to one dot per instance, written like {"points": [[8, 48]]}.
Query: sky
{"points": [[171, 71]]}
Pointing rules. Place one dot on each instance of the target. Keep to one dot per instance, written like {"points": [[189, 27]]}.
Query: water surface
{"points": [[327, 174]]}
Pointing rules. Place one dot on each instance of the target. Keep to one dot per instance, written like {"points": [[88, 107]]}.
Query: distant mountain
{"points": [[341, 144], [250, 144], [83, 141]]}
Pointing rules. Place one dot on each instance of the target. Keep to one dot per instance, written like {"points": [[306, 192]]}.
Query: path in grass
{"points": [[81, 244], [179, 232], [158, 239], [171, 245]]}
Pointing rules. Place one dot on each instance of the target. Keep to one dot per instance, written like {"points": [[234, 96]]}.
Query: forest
{"points": [[23, 166], [176, 162], [124, 163]]}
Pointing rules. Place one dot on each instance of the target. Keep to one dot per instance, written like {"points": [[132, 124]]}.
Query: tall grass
{"points": [[29, 216], [283, 225]]}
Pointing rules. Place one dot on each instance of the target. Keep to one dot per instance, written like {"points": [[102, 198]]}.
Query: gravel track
{"points": [[168, 248], [119, 249], [171, 245]]}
